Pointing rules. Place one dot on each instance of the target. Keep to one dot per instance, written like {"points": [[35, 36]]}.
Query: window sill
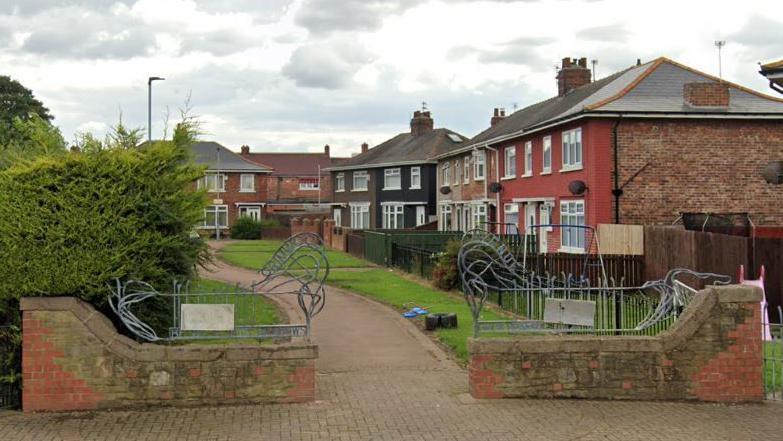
{"points": [[570, 169], [546, 172], [507, 178], [216, 191], [392, 189], [309, 189], [247, 191], [478, 179], [571, 250], [339, 191], [527, 175], [358, 190], [414, 188]]}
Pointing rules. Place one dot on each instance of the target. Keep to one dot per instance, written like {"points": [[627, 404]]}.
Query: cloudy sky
{"points": [[298, 74]]}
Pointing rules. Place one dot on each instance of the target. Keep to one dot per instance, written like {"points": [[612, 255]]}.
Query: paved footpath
{"points": [[379, 378]]}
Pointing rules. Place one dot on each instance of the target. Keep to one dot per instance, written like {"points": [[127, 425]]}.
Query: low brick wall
{"points": [[712, 353], [74, 359]]}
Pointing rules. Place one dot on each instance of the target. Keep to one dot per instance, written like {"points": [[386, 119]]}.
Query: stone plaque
{"points": [[207, 317], [570, 312]]}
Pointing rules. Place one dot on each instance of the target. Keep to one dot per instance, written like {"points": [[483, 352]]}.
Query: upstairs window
{"points": [[479, 165], [360, 179], [529, 158], [247, 183], [445, 174], [213, 182], [456, 173], [466, 169], [309, 184], [339, 182], [572, 149], [415, 178], [392, 179], [510, 158], [547, 154]]}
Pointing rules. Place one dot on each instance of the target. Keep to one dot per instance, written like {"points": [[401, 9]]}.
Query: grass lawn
{"points": [[249, 310], [253, 254], [773, 366], [393, 289]]}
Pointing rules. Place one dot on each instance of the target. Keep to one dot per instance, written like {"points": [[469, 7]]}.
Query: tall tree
{"points": [[17, 101]]}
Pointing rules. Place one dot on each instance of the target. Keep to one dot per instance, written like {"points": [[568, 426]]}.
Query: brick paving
{"points": [[380, 379]]}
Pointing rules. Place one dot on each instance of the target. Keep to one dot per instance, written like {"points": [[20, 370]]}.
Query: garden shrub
{"points": [[445, 274], [71, 224], [246, 228], [270, 222]]}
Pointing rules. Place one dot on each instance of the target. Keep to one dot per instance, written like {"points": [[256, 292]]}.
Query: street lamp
{"points": [[149, 105]]}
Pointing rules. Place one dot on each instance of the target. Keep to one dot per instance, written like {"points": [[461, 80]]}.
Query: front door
{"points": [[530, 217], [545, 218], [421, 215]]}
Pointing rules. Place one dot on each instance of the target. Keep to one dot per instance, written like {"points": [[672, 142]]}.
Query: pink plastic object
{"points": [[765, 334]]}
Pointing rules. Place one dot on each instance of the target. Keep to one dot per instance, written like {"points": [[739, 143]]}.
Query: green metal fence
{"points": [[378, 243], [414, 260]]}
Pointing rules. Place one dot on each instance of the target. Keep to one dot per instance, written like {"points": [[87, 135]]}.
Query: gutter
{"points": [[381, 165]]}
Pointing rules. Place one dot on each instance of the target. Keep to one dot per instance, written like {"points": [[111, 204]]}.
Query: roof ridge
{"points": [[656, 63]]}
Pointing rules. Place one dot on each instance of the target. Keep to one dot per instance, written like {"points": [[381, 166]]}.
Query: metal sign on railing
{"points": [[565, 304], [298, 268]]}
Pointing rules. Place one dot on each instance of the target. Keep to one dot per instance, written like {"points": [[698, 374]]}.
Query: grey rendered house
{"points": [[393, 184]]}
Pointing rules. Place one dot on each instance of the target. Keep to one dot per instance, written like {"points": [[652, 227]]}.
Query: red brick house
{"points": [[641, 146], [236, 186], [297, 182]]}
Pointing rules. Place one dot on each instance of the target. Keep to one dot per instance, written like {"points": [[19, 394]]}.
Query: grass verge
{"points": [[254, 254]]}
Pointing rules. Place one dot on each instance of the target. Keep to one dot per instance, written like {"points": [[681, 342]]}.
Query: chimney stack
{"points": [[365, 147], [245, 150], [573, 73], [497, 116], [421, 123], [326, 150], [706, 94]]}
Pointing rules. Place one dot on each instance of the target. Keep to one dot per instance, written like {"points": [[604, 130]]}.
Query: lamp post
{"points": [[149, 105]]}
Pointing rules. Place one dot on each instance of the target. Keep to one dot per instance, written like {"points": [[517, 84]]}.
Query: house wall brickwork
{"points": [[74, 359], [713, 352], [706, 94], [233, 195], [698, 166]]}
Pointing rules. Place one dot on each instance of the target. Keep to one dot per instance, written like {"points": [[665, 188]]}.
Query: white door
{"points": [[545, 216], [338, 217], [530, 217], [421, 215]]}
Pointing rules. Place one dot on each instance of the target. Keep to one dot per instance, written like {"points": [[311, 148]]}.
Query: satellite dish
{"points": [[773, 172], [445, 190], [577, 188]]}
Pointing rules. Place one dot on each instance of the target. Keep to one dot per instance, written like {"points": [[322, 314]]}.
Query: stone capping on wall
{"points": [[104, 329], [716, 319], [74, 359]]}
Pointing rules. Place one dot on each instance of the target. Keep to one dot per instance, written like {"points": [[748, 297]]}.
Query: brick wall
{"points": [[286, 188], [73, 359], [698, 166], [306, 225], [706, 94], [712, 353]]}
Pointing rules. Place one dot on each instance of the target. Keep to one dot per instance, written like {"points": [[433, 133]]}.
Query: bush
{"points": [[246, 228], [70, 225], [445, 274]]}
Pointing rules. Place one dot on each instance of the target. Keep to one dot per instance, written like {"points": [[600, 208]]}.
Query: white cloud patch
{"points": [[326, 65]]}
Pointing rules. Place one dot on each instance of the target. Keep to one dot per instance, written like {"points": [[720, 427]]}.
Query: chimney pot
{"points": [[245, 150], [583, 62], [497, 116], [365, 147], [326, 150]]}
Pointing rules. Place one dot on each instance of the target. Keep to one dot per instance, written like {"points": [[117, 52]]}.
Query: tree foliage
{"points": [[17, 103]]}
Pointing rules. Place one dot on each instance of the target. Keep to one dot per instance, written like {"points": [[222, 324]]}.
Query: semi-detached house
{"points": [[392, 185], [641, 146]]}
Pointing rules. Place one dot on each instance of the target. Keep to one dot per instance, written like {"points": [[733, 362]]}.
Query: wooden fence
{"points": [[621, 239], [355, 244], [625, 270]]}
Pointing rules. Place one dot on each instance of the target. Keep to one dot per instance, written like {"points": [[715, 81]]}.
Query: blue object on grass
{"points": [[409, 314]]}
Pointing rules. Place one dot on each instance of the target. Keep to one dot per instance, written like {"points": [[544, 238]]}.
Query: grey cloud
{"points": [[327, 65], [33, 7], [220, 43], [613, 33], [521, 51], [762, 35]]}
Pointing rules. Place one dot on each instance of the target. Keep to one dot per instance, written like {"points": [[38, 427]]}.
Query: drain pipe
{"points": [[616, 191]]}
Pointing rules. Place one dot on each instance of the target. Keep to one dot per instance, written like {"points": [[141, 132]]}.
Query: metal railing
{"points": [[772, 339], [414, 260]]}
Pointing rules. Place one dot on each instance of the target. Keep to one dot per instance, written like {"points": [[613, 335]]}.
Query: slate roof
{"points": [[291, 164], [215, 156], [406, 148], [653, 87]]}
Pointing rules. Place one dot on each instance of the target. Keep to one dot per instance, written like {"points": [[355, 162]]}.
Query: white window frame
{"points": [[572, 150], [445, 174], [415, 184], [393, 216], [245, 189], [466, 169], [512, 210], [479, 164], [421, 215], [218, 209], [510, 162], [445, 222], [339, 182], [362, 173], [309, 184], [359, 214], [569, 237], [528, 159], [248, 210], [479, 212], [455, 175], [392, 173], [546, 155], [218, 178]]}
